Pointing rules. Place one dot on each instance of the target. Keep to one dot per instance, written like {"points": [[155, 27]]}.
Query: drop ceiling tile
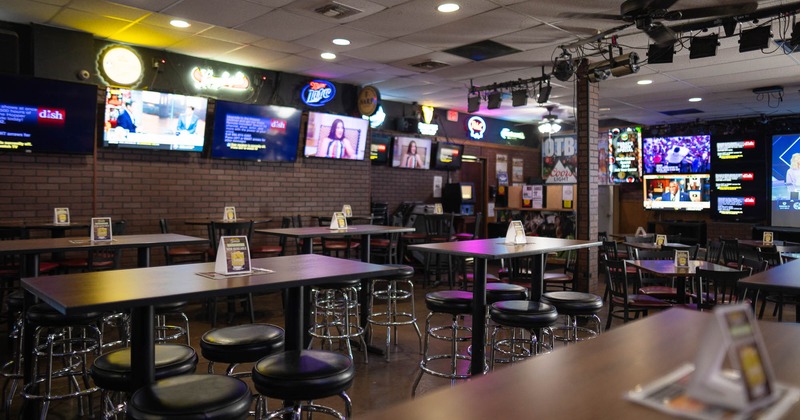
{"points": [[109, 10], [229, 35], [163, 20], [252, 56], [388, 52], [203, 47], [294, 63], [25, 11], [232, 14], [332, 71], [280, 46], [151, 5], [322, 40], [101, 27], [283, 26], [151, 36], [307, 8]]}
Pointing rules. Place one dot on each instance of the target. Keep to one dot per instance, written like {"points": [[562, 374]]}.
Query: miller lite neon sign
{"points": [[318, 92]]}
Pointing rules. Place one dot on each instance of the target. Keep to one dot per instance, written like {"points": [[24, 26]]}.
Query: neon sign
{"points": [[476, 127], [377, 119], [205, 79], [507, 134], [318, 93]]}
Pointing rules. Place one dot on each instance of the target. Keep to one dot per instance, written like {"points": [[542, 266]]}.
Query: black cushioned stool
{"points": [[521, 317], [112, 372], [497, 292], [336, 315], [301, 376], [454, 303], [391, 290], [575, 305], [192, 397]]}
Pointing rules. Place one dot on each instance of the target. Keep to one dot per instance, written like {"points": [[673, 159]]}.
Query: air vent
{"points": [[337, 10], [430, 65], [682, 112]]}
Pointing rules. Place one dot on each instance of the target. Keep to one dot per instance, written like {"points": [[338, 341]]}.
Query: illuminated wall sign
{"points": [[120, 65], [318, 93], [204, 79], [369, 100], [507, 134], [427, 114], [427, 129], [377, 119], [452, 115], [476, 127]]}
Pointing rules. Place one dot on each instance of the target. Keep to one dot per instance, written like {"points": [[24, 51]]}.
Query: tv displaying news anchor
{"points": [[674, 193]]}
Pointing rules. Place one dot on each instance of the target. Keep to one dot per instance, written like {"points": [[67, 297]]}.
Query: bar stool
{"points": [[167, 332], [112, 373], [390, 289], [336, 315], [575, 305], [454, 303], [192, 397], [70, 338], [12, 370], [521, 317], [301, 376]]}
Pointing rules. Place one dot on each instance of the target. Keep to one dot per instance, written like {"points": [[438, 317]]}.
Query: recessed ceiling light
{"points": [[178, 23], [604, 109], [328, 55], [341, 41], [448, 7], [695, 99], [644, 82]]}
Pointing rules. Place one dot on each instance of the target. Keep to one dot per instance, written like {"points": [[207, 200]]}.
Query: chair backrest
{"points": [[218, 230], [770, 255], [439, 226], [107, 259], [714, 251], [609, 249], [782, 249], [752, 265], [730, 250], [617, 277], [602, 235], [476, 234], [718, 287], [162, 223], [655, 254]]}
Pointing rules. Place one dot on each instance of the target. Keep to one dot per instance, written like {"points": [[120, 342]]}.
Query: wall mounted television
{"points": [[335, 136], [785, 175], [40, 115], [677, 154], [144, 119], [255, 132], [677, 192], [625, 155], [380, 148], [411, 152], [739, 178], [447, 155]]}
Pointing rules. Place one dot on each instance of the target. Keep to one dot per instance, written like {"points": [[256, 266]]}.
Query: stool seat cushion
{"points": [[15, 301], [496, 292], [43, 314], [523, 314], [406, 272], [241, 343], [303, 375], [162, 308], [339, 284], [192, 397], [112, 370], [449, 301], [574, 303]]}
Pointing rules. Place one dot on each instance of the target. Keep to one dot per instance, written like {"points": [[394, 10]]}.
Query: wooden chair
{"points": [[718, 287], [335, 245], [656, 286], [316, 243], [714, 250], [99, 259], [730, 252], [268, 249], [182, 254], [438, 229], [476, 233], [384, 250], [623, 304], [564, 278]]}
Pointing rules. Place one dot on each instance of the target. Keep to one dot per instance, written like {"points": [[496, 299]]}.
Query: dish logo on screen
{"points": [[51, 116], [749, 201], [749, 144], [318, 92], [747, 176]]}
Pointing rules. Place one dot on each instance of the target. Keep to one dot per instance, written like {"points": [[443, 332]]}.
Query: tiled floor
{"points": [[378, 383]]}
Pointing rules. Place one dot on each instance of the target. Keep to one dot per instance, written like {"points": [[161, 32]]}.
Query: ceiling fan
{"points": [[647, 16], [550, 123]]}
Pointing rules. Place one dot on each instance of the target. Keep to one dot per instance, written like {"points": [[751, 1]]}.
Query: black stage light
{"points": [[755, 39], [519, 97], [544, 94], [795, 39], [473, 103], [493, 100], [660, 55], [563, 69], [703, 46]]}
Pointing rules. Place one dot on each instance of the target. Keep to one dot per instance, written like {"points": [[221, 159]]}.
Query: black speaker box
{"points": [[9, 50]]}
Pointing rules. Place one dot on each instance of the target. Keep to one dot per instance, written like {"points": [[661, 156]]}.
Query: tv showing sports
{"points": [[40, 115], [143, 119], [785, 174], [255, 132], [447, 155], [411, 152], [677, 192], [380, 147], [677, 154], [335, 136], [625, 155]]}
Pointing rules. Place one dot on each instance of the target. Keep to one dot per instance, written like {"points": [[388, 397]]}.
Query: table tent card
{"points": [[229, 214], [438, 209], [347, 210], [640, 231], [61, 215], [233, 256], [101, 229], [682, 259], [338, 221], [516, 233], [661, 240], [766, 238]]}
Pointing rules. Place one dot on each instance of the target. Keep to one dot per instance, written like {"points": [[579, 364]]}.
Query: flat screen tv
{"points": [[255, 132], [144, 119], [335, 136], [625, 155], [447, 155], [380, 148], [739, 178], [785, 175], [677, 192], [411, 152], [40, 115], [677, 154]]}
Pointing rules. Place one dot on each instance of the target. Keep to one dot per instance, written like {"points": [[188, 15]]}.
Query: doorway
{"points": [[474, 170]]}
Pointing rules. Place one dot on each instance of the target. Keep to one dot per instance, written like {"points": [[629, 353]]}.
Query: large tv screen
{"points": [[677, 192], [447, 155], [380, 147], [39, 115], [255, 132], [738, 179], [677, 154], [625, 155], [154, 120], [411, 152], [785, 180], [335, 136]]}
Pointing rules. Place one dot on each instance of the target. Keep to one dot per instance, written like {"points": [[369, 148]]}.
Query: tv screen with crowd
{"points": [[689, 154]]}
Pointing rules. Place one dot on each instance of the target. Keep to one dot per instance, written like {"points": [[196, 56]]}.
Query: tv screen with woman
{"points": [[411, 153], [335, 136]]}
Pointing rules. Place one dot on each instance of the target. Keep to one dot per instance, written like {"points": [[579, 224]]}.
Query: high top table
{"points": [[141, 288], [667, 268], [779, 279], [483, 250]]}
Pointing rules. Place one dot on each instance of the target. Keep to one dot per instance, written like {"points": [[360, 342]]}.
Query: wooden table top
{"points": [[778, 278], [653, 246], [756, 243], [667, 268], [105, 290], [496, 248], [588, 380], [76, 243], [222, 222], [317, 231], [43, 224]]}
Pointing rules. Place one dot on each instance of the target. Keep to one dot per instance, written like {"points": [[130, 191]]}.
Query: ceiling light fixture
{"points": [[473, 103], [658, 55], [544, 92], [703, 46], [644, 82], [550, 124], [493, 100], [621, 65], [697, 99], [519, 97], [448, 7], [328, 55], [180, 23], [341, 41], [563, 68]]}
